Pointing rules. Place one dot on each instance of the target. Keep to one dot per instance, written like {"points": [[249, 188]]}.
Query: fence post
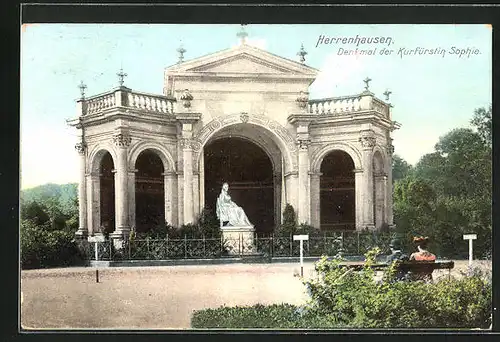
{"points": [[204, 249], [129, 248], [110, 249], [147, 244], [342, 241], [185, 247], [291, 245]]}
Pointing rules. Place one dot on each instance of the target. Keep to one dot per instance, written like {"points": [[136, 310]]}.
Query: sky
{"points": [[431, 93]]}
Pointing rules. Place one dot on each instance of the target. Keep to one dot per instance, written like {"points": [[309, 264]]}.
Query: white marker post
{"points": [[301, 238], [470, 237], [96, 239]]}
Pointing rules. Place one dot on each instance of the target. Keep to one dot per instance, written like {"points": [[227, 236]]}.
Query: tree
{"points": [[36, 213], [400, 168], [482, 122], [448, 193]]}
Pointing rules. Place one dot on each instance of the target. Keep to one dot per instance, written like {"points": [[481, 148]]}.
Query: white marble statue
{"points": [[228, 211]]}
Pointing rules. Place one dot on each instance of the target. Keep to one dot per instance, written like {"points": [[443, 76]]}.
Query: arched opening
{"points": [[337, 192], [149, 191], [249, 171], [379, 184], [107, 193]]}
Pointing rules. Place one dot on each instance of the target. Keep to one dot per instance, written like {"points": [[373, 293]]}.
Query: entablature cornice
{"points": [[352, 119]]}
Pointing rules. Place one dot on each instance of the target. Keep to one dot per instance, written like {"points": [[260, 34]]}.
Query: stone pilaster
{"points": [[187, 121], [302, 121], [388, 189], [359, 189], [187, 156], [304, 193], [315, 191], [380, 200], [368, 142], [196, 195], [169, 178], [82, 231], [122, 225], [94, 202], [131, 198]]}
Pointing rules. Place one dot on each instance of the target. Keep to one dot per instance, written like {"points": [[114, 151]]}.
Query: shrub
{"points": [[356, 300], [42, 248]]}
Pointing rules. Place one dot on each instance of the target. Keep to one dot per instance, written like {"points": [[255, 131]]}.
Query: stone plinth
{"points": [[239, 240]]}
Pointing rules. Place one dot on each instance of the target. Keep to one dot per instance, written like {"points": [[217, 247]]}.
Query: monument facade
{"points": [[241, 116]]}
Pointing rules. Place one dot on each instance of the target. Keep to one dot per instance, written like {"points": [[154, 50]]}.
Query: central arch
{"points": [[249, 171], [248, 158]]}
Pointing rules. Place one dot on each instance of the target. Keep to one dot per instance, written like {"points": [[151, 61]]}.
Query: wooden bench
{"points": [[418, 270]]}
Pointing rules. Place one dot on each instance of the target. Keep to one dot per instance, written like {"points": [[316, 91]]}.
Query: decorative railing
{"points": [[348, 105], [345, 243], [124, 97], [151, 102]]}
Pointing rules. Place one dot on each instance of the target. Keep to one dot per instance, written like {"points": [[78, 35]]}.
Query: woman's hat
{"points": [[420, 239]]}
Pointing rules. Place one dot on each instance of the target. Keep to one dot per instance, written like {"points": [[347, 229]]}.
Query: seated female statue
{"points": [[228, 212]]}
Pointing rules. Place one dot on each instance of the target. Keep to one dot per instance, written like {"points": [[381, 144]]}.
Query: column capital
{"points": [[358, 170], [132, 171], [390, 150], [81, 147], [367, 142], [187, 143], [122, 139], [292, 173], [303, 144]]}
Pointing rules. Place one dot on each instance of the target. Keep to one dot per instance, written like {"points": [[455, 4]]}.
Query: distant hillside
{"points": [[64, 194]]}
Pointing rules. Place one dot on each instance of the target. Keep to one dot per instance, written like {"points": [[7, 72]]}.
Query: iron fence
{"points": [[346, 243]]}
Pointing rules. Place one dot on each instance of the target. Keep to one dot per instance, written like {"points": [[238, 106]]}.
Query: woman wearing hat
{"points": [[423, 254], [425, 273]]}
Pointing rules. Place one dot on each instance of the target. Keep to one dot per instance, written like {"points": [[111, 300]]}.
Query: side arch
{"points": [[352, 151], [158, 148], [95, 156]]}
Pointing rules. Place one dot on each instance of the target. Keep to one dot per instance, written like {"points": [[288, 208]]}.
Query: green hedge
{"points": [[276, 316]]}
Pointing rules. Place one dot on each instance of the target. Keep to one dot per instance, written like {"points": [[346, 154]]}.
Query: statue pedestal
{"points": [[239, 240]]}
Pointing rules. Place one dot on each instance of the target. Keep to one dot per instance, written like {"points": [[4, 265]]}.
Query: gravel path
{"points": [[154, 297]]}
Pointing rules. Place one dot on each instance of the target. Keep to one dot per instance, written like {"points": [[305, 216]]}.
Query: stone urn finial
{"points": [[186, 98], [302, 100]]}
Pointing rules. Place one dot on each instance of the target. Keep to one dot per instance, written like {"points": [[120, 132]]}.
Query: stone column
{"points": [[180, 198], [202, 180], [304, 194], [277, 179], [368, 141], [94, 203], [315, 191], [359, 190], [122, 225], [168, 182], [82, 231], [187, 156], [131, 198], [196, 196], [388, 188], [380, 200]]}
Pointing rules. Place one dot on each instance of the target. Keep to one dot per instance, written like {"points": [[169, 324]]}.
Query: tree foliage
{"points": [[448, 193]]}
